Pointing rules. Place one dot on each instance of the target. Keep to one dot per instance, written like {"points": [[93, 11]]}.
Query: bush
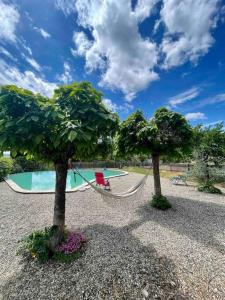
{"points": [[6, 165], [36, 245], [209, 189], [160, 202], [207, 175]]}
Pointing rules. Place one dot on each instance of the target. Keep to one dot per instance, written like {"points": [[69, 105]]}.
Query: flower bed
{"points": [[36, 245]]}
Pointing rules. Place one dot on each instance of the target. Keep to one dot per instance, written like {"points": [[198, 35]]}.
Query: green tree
{"points": [[209, 153], [167, 133], [56, 129]]}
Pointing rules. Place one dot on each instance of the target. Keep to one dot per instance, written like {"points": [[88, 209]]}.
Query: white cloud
{"points": [[184, 97], [144, 8], [67, 6], [42, 32], [33, 63], [28, 80], [66, 77], [110, 40], [195, 116], [188, 29], [9, 18], [215, 99], [125, 59], [126, 107], [6, 53]]}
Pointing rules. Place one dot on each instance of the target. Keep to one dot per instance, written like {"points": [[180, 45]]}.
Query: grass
{"points": [[163, 173]]}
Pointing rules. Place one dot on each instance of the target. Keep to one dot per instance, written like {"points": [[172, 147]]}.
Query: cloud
{"points": [[33, 63], [6, 53], [126, 107], [216, 99], [188, 26], [184, 97], [28, 80], [42, 32], [67, 6], [195, 116], [9, 18], [111, 43], [144, 8], [66, 77], [125, 59]]}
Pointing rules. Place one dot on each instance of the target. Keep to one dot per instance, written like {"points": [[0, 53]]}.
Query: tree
{"points": [[56, 129], [167, 133], [209, 153]]}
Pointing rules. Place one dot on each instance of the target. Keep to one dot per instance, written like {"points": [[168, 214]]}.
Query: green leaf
{"points": [[38, 139], [34, 118], [72, 135], [13, 153]]}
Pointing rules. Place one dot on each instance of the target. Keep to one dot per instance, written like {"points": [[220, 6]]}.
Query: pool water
{"points": [[44, 181]]}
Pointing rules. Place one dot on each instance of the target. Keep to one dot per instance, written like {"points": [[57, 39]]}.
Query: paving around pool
{"points": [[133, 250]]}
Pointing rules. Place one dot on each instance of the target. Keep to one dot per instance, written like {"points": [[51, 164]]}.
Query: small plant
{"points": [[160, 202], [209, 189], [71, 248], [5, 167], [36, 245]]}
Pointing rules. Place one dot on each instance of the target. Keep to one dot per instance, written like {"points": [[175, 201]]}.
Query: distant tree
{"points": [[209, 153], [57, 129], [167, 133]]}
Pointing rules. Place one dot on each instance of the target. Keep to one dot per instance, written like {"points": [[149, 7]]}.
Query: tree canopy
{"points": [[56, 129]]}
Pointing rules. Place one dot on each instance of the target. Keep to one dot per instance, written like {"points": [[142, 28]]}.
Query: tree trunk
{"points": [[59, 207], [156, 175]]}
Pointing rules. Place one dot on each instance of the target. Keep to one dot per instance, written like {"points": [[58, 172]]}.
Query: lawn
{"points": [[142, 170]]}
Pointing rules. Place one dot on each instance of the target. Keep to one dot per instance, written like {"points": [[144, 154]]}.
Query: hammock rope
{"points": [[106, 194]]}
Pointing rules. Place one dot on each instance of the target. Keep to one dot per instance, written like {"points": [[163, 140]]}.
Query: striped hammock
{"points": [[107, 194]]}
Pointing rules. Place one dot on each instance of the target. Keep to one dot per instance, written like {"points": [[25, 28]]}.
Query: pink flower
{"points": [[73, 243]]}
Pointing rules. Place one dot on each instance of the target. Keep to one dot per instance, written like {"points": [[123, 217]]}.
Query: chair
{"points": [[100, 180]]}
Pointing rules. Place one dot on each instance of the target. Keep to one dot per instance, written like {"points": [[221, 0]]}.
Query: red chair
{"points": [[100, 180]]}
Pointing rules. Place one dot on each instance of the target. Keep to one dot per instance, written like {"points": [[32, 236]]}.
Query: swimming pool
{"points": [[44, 181]]}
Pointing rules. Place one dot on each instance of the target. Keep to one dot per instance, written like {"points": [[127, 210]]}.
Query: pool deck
{"points": [[174, 254]]}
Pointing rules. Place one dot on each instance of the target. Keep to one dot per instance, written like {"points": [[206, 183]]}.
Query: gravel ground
{"points": [[133, 252]]}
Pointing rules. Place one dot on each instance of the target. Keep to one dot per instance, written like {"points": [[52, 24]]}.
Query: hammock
{"points": [[106, 194]]}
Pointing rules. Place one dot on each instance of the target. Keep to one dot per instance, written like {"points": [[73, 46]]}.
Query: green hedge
{"points": [[6, 166]]}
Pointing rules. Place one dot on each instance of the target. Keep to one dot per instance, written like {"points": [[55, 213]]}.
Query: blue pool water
{"points": [[44, 181]]}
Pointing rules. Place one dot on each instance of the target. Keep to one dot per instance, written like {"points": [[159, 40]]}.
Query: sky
{"points": [[142, 54]]}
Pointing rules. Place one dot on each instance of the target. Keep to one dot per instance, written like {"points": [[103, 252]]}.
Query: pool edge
{"points": [[16, 188]]}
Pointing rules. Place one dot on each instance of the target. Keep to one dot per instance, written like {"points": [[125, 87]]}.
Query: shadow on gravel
{"points": [[201, 221], [114, 266]]}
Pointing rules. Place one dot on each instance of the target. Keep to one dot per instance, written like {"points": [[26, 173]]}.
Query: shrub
{"points": [[36, 245], [6, 165], [209, 189], [160, 202]]}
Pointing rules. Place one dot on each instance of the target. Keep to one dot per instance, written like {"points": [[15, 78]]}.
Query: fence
{"points": [[178, 167]]}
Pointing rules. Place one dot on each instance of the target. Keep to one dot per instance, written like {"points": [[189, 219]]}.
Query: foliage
{"points": [[160, 202], [56, 129], [6, 166], [167, 133], [209, 189], [127, 141], [36, 245], [209, 144], [27, 165]]}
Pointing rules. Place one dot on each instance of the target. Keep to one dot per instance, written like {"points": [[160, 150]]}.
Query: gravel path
{"points": [[134, 251]]}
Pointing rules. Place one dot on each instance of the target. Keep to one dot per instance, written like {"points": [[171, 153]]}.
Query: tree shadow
{"points": [[114, 266], [198, 220]]}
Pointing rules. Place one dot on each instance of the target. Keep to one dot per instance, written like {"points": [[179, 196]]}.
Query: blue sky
{"points": [[142, 54]]}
